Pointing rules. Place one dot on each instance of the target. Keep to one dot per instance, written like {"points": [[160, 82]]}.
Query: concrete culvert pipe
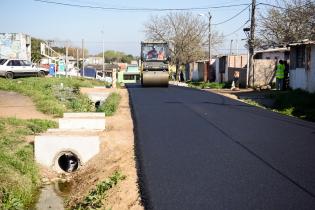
{"points": [[68, 161], [97, 104]]}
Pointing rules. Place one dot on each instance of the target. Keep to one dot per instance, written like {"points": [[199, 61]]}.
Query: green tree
{"points": [[116, 56], [35, 49]]}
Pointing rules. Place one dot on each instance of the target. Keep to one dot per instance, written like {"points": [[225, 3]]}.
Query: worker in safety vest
{"points": [[280, 75]]}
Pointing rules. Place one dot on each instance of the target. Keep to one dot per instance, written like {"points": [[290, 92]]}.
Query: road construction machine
{"points": [[154, 63]]}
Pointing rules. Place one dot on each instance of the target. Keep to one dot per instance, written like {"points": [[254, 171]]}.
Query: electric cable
{"points": [[231, 18], [236, 29], [138, 9]]}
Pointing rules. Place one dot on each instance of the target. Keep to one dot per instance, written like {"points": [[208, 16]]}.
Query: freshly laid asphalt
{"points": [[200, 150]]}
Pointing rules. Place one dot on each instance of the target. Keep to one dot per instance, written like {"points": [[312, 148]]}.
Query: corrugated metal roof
{"points": [[279, 49], [303, 42]]}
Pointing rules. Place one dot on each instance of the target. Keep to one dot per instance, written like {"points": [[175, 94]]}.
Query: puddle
{"points": [[52, 196]]}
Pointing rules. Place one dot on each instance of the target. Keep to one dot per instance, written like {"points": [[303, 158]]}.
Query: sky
{"points": [[123, 30]]}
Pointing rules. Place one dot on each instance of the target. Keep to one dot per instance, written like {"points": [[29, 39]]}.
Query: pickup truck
{"points": [[11, 68]]}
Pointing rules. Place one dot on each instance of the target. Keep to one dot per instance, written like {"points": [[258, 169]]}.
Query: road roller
{"points": [[154, 64]]}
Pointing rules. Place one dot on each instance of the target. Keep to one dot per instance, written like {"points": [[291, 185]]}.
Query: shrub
{"points": [[110, 106]]}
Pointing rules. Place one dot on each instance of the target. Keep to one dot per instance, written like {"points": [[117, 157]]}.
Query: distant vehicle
{"points": [[154, 63], [11, 68]]}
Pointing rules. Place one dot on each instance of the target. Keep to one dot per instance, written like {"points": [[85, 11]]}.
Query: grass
{"points": [[296, 103], [111, 104], [94, 199], [53, 96], [210, 85], [19, 175], [253, 103]]}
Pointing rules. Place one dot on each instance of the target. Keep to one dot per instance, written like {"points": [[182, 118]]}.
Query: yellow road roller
{"points": [[154, 63]]}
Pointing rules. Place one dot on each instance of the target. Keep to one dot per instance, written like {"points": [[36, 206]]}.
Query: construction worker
{"points": [[280, 75]]}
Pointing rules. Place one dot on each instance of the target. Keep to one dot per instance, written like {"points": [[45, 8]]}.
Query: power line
{"points": [[231, 18], [237, 29], [138, 9]]}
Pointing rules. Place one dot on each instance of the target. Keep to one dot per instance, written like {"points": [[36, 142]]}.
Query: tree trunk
{"points": [[177, 71]]}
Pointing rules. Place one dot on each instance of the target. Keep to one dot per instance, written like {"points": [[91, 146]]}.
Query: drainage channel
{"points": [[52, 195]]}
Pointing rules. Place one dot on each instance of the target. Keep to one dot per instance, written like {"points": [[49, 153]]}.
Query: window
{"points": [[129, 77], [132, 77], [26, 63], [10, 63], [300, 56], [15, 63], [2, 61]]}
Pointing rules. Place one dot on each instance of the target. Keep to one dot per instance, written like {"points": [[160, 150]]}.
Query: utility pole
{"points": [[251, 41], [231, 45], [83, 57], [67, 62], [103, 53], [210, 70], [78, 61]]}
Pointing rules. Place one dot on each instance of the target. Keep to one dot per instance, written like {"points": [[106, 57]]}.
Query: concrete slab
{"points": [[84, 114], [48, 148], [97, 96], [67, 132], [82, 123]]}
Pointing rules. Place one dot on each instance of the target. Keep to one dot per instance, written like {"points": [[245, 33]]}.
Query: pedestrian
{"points": [[236, 81], [280, 75], [286, 79]]}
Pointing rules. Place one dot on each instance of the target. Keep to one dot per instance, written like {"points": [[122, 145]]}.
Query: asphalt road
{"points": [[199, 150]]}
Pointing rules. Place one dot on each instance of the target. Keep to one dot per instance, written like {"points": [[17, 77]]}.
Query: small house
{"points": [[131, 75], [302, 65], [280, 53]]}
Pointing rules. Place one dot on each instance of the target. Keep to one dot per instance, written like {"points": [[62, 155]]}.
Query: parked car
{"points": [[11, 68]]}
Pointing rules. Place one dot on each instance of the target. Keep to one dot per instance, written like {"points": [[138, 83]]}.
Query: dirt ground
{"points": [[117, 153], [14, 104]]}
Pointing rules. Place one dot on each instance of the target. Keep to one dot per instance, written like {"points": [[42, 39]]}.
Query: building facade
{"points": [[302, 66], [15, 46]]}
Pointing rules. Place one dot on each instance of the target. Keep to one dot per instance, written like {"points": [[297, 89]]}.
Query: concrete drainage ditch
{"points": [[69, 147]]}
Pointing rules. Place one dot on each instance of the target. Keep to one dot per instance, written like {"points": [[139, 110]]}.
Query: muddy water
{"points": [[52, 196]]}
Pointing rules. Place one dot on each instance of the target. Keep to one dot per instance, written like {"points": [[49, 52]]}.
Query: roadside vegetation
{"points": [[296, 103], [53, 96], [19, 175], [209, 85], [95, 197], [111, 104]]}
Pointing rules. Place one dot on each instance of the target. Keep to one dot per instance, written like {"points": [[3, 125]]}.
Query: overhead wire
{"points": [[138, 9], [237, 29], [231, 18]]}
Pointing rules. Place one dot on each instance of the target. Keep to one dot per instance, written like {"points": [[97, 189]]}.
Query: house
{"points": [[131, 75], [263, 72], [97, 70], [15, 46], [280, 53], [199, 71], [302, 65], [225, 66], [94, 61]]}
